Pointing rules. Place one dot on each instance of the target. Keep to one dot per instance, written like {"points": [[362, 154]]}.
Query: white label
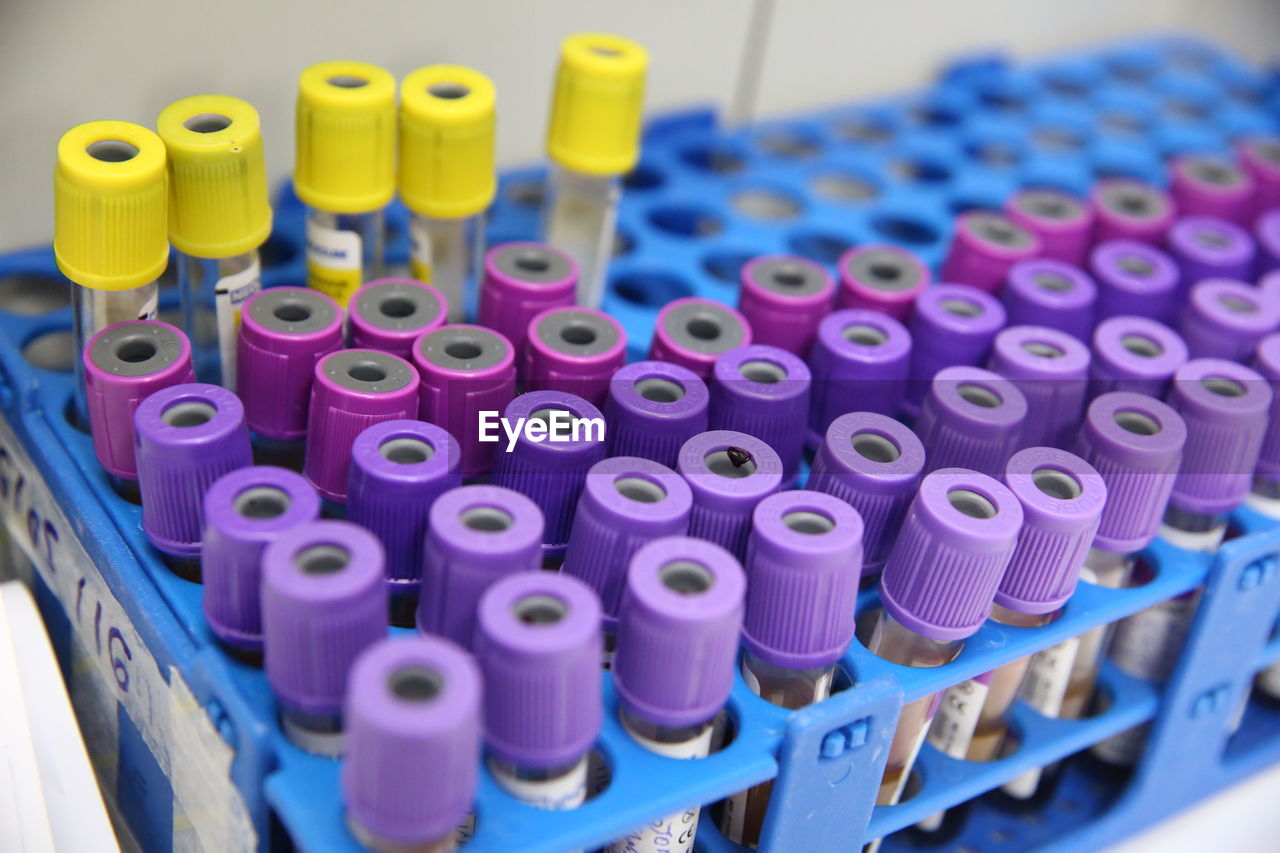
{"points": [[564, 792], [1203, 541], [953, 726], [1147, 644], [675, 833], [147, 310], [1045, 685], [230, 293], [420, 249], [334, 260]]}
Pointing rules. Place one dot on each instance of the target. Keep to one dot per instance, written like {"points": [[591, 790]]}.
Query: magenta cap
{"points": [[1046, 292], [941, 577], [389, 314], [521, 280], [413, 715], [972, 418], [284, 331], [653, 409], [1129, 209], [983, 248], [783, 298], [693, 332], [953, 324], [804, 560], [123, 364], [1204, 185], [729, 473], [1211, 248], [678, 631], [1063, 222], [1134, 279], [1267, 363], [860, 361], [881, 277], [1051, 369], [538, 643], [763, 391], [1260, 156], [1134, 354], [1227, 319], [575, 350], [1266, 233]]}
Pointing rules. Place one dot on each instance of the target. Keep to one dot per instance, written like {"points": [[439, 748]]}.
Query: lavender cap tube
{"points": [[244, 511], [694, 332], [678, 631], [521, 280], [960, 531], [879, 277], [1260, 156], [1045, 292], [1062, 222], [1134, 354], [873, 463], [983, 248], [1128, 209], [784, 298], [476, 535], [1227, 319], [1266, 233], [1134, 279], [284, 332], [1051, 369], [187, 437], [538, 643], [353, 389], [804, 561], [413, 715], [729, 473], [1267, 363], [653, 409], [1213, 187], [575, 350], [763, 391], [972, 418], [1211, 248], [954, 324], [389, 314], [125, 363], [860, 360], [465, 370]]}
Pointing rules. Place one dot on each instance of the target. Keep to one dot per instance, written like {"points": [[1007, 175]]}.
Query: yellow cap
{"points": [[346, 137], [446, 141], [217, 178], [595, 116], [109, 200]]}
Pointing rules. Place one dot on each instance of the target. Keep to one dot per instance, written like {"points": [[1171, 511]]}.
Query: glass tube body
{"points": [[92, 310], [446, 254], [211, 291], [579, 219]]}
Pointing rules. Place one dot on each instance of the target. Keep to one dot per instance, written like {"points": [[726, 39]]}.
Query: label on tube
{"points": [[334, 259], [230, 293]]}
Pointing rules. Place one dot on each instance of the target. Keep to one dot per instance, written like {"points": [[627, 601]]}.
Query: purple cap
{"points": [[1062, 221], [1129, 209], [521, 280], [653, 409], [1134, 354], [626, 503], [941, 577], [538, 643], [1135, 442], [353, 389], [1045, 292], [763, 391], [389, 314], [1211, 248], [983, 248], [729, 473], [284, 331], [398, 469], [476, 535], [972, 418], [1267, 363], [413, 740], [1134, 279], [1204, 185], [1225, 406], [575, 350], [784, 298], [123, 364], [323, 603], [860, 360], [1227, 319], [465, 370], [953, 324], [1260, 156], [804, 560], [693, 332], [551, 469], [244, 511], [1266, 233], [1051, 369], [1062, 497], [880, 277], [678, 631], [874, 464]]}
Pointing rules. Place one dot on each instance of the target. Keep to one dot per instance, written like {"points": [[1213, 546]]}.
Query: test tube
{"points": [[1227, 319], [344, 171], [1051, 369], [1134, 354], [521, 280], [804, 561], [593, 138], [881, 277], [953, 324], [763, 391], [693, 332], [1134, 279], [324, 601], [409, 776], [678, 636], [971, 419], [1208, 185], [1265, 497], [1046, 292], [860, 360], [1062, 221], [218, 218], [784, 297], [1266, 233], [1129, 209], [446, 177], [1260, 156], [389, 314], [109, 229], [1210, 248], [984, 247], [654, 407], [576, 350], [729, 473]]}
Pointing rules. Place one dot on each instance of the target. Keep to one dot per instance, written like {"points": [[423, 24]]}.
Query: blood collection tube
{"points": [[344, 171], [1265, 496], [678, 634], [1260, 156], [465, 370], [389, 314], [352, 390], [1063, 222], [880, 277], [593, 138], [187, 436], [729, 473], [984, 247], [654, 407], [1210, 248], [1266, 233], [109, 229], [972, 419], [413, 711], [693, 332], [521, 280], [804, 561], [873, 463], [1129, 209], [784, 297], [324, 601], [218, 218], [1046, 292], [763, 391], [475, 535], [1051, 369], [244, 511], [1227, 319], [576, 350], [859, 361], [446, 177], [953, 324], [398, 469], [1134, 354], [1134, 279], [1210, 186]]}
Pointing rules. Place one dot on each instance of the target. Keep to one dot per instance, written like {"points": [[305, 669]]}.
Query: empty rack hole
{"points": [[718, 159], [1056, 484], [406, 451], [415, 683], [462, 350], [733, 463], [1136, 422], [658, 390], [971, 503], [33, 293], [864, 335], [486, 519], [836, 186], [765, 204], [685, 221], [135, 350], [823, 247], [979, 395], [578, 334], [540, 610], [901, 229], [366, 371], [448, 91], [640, 490], [920, 171], [322, 559], [875, 447], [650, 289], [262, 502], [207, 123], [292, 312], [686, 577], [1222, 386], [111, 150], [191, 413], [763, 372], [347, 81], [51, 351], [808, 522], [1042, 349], [397, 307]]}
